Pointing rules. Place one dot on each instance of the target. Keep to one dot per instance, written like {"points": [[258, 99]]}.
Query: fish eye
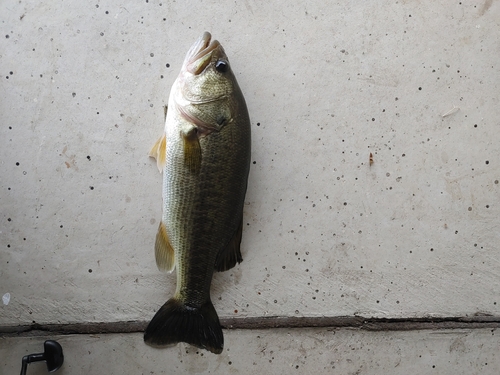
{"points": [[222, 66]]}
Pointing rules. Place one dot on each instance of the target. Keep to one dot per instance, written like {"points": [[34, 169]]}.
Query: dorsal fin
{"points": [[229, 256]]}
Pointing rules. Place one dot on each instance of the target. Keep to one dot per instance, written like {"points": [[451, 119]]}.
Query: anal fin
{"points": [[164, 252], [229, 256]]}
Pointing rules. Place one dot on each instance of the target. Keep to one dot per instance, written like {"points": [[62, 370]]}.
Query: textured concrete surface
{"points": [[303, 351], [414, 233]]}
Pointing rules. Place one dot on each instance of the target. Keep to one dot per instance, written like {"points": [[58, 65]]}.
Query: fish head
{"points": [[206, 92]]}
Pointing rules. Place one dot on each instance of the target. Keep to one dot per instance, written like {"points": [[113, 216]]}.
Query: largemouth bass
{"points": [[205, 158]]}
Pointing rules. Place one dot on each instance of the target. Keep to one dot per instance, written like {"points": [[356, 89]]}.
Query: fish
{"points": [[204, 155]]}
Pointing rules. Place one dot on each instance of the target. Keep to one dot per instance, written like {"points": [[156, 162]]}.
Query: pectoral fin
{"points": [[227, 258], [192, 150], [164, 253], [159, 152]]}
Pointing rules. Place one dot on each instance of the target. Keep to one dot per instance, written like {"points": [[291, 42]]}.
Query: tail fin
{"points": [[176, 322]]}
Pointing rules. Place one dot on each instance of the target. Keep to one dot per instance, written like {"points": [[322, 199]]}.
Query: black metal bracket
{"points": [[53, 355]]}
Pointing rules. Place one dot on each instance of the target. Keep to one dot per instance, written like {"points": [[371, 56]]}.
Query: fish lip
{"points": [[200, 53]]}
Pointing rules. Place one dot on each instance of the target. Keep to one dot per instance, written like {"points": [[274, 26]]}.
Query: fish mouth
{"points": [[200, 53]]}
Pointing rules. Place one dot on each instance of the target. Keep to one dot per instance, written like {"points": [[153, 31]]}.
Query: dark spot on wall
{"points": [[88, 157], [91, 187], [90, 270], [168, 65]]}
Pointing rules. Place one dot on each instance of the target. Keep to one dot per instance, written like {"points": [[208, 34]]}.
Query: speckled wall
{"points": [[374, 184]]}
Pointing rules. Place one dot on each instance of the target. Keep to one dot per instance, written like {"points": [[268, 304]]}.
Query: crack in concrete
{"points": [[272, 322]]}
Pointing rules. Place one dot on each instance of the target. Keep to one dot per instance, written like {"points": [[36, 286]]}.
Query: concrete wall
{"points": [[327, 233]]}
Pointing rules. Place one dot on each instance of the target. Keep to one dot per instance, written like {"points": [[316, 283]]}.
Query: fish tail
{"points": [[176, 322]]}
